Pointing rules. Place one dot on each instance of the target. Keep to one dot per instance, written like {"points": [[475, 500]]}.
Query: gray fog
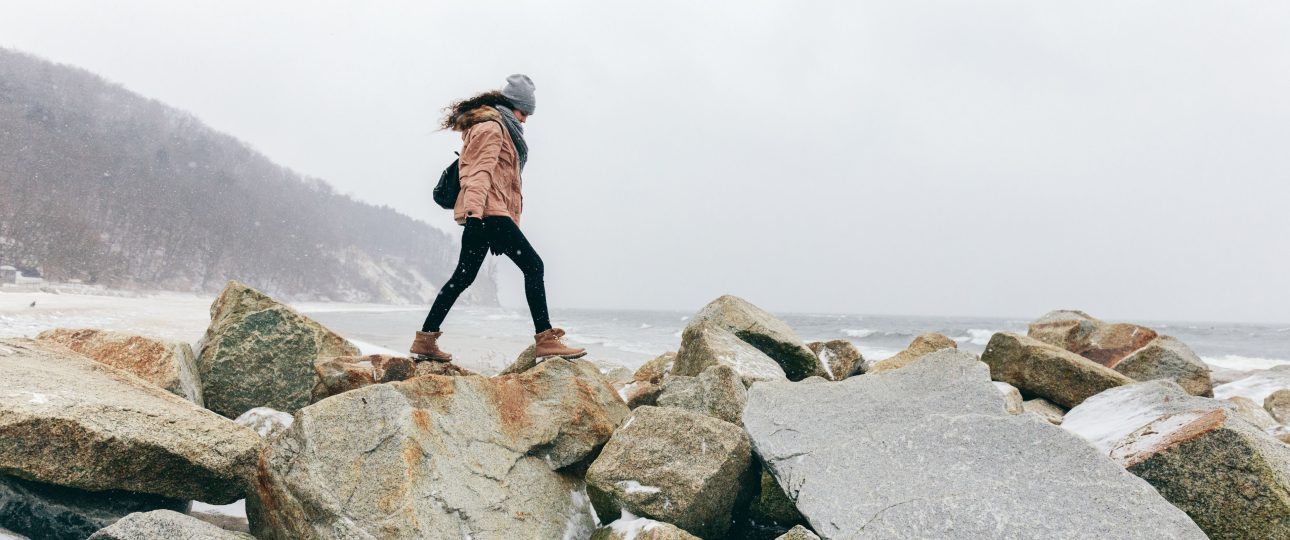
{"points": [[936, 158]]}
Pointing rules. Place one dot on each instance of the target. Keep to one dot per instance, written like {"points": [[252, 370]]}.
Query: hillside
{"points": [[101, 184]]}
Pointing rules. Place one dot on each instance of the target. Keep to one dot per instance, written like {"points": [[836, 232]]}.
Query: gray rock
{"points": [[47, 511], [165, 525], [1169, 359], [1013, 476], [168, 364], [260, 353], [922, 345], [1278, 405], [1251, 412], [1012, 401], [524, 362], [672, 465], [840, 356], [1045, 409], [1110, 416], [441, 457], [717, 392], [1232, 478], [762, 330], [1102, 342], [1042, 370], [631, 527], [798, 533], [658, 368], [704, 345], [67, 420]]}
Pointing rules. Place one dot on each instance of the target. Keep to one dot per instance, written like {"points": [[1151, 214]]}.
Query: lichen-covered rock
{"points": [[1099, 341], [1045, 409], [763, 331], [672, 465], [629, 527], [704, 345], [717, 392], [1042, 370], [1278, 405], [165, 525], [1012, 401], [47, 511], [798, 533], [168, 364], [771, 505], [1232, 478], [840, 356], [260, 353], [1170, 359], [67, 420], [921, 346], [441, 457], [1013, 476], [265, 422]]}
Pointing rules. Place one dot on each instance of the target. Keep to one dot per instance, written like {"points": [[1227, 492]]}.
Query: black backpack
{"points": [[445, 192]]}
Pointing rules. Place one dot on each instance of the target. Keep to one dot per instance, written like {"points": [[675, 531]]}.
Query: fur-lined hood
{"points": [[463, 121]]}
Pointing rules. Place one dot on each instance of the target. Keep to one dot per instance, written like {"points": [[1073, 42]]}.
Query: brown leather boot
{"points": [[549, 344], [426, 347]]}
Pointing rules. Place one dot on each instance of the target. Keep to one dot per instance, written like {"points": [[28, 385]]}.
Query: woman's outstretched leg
{"points": [[547, 340]]}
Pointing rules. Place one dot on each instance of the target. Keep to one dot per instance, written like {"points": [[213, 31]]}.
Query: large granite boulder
{"points": [[67, 420], [840, 356], [47, 511], [905, 432], [1042, 370], [673, 465], [1167, 358], [1232, 478], [656, 369], [762, 330], [1252, 412], [922, 345], [441, 457], [168, 364], [165, 525], [1099, 341], [717, 392], [705, 345], [629, 527], [260, 353]]}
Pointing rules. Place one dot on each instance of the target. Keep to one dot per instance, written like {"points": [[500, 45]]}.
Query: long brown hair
{"points": [[487, 99]]}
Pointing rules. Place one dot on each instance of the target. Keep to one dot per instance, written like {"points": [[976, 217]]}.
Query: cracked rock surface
{"points": [[440, 457], [931, 453]]}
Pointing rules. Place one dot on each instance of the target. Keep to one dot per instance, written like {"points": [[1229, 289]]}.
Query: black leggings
{"points": [[500, 235]]}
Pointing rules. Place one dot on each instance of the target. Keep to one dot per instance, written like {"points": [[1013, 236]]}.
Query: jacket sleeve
{"points": [[479, 155]]}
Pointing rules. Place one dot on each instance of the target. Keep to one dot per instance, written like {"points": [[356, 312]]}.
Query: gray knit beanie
{"points": [[519, 89]]}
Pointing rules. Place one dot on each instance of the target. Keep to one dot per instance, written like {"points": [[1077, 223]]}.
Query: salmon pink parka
{"points": [[489, 168]]}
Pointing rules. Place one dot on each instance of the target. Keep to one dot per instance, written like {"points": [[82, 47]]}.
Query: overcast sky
{"points": [[940, 158]]}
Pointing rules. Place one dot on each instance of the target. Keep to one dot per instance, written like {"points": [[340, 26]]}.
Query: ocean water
{"points": [[638, 335]]}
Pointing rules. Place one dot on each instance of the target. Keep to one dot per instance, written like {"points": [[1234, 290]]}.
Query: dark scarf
{"points": [[516, 130]]}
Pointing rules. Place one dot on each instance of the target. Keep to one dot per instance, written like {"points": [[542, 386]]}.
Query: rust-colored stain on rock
{"points": [[1147, 442], [509, 394], [421, 419]]}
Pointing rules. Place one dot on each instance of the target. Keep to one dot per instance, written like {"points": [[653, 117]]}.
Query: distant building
{"points": [[8, 275]]}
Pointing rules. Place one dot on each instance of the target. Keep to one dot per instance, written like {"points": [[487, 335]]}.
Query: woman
{"points": [[492, 156]]}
